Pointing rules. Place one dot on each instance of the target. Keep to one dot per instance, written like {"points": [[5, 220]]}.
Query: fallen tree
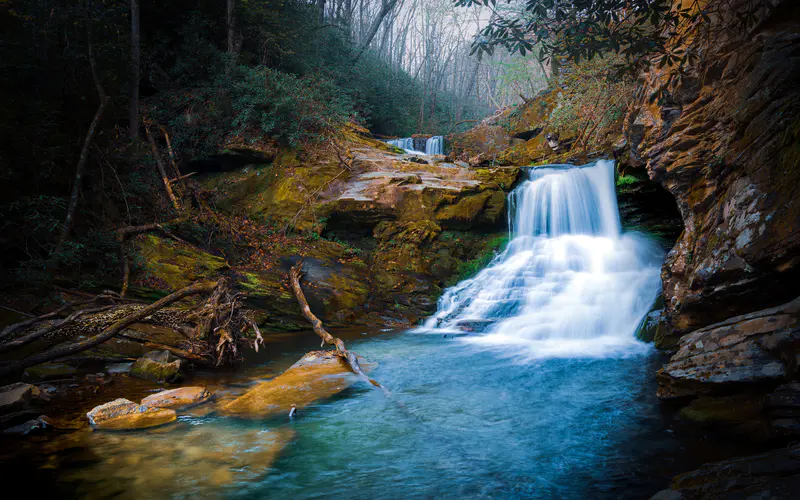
{"points": [[295, 274], [220, 324]]}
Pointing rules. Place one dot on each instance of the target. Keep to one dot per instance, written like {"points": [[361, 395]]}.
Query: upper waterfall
{"points": [[569, 282], [433, 145]]}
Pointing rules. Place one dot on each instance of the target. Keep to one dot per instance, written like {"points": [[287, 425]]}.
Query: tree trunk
{"points": [[161, 170], [133, 105], [386, 7], [69, 221]]}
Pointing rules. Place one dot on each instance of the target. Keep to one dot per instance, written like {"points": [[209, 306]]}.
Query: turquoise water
{"points": [[464, 422]]}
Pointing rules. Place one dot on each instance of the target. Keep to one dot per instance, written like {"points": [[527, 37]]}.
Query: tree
{"points": [[133, 104]]}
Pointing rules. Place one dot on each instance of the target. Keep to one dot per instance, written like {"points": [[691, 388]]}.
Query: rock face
{"points": [[756, 348], [177, 398], [773, 475], [318, 375], [726, 143], [122, 414]]}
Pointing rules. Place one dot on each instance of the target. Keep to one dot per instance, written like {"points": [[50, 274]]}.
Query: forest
{"points": [[550, 248]]}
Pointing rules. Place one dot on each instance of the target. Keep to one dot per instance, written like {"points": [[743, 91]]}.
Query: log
{"points": [[352, 360], [64, 350]]}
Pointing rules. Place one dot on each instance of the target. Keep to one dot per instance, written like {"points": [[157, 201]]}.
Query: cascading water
{"points": [[569, 284], [406, 143], [433, 145]]}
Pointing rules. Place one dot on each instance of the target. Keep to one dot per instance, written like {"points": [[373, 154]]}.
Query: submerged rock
{"points": [[157, 366], [176, 398], [318, 375], [48, 371], [760, 347], [122, 414], [773, 475], [30, 426]]}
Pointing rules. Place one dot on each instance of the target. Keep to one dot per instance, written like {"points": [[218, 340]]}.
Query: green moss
{"points": [[627, 180], [161, 261], [469, 268]]}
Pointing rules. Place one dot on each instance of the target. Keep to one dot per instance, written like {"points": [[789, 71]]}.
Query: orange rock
{"points": [[122, 414], [176, 398], [318, 375]]}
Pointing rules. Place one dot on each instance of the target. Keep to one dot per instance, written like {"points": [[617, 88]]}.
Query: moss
{"points": [[165, 263], [627, 180]]}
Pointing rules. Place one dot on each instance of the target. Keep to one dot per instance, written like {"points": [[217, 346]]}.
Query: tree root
{"points": [[220, 324], [350, 357]]}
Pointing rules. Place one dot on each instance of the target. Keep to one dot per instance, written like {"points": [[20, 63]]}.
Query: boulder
{"points": [[177, 398], [318, 375], [30, 426], [773, 475], [157, 366], [122, 414], [19, 396], [756, 348], [48, 371]]}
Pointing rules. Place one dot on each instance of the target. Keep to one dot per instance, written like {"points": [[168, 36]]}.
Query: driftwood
{"points": [[350, 357]]}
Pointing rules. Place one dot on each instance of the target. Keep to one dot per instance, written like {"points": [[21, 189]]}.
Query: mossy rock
{"points": [[483, 209], [165, 264]]}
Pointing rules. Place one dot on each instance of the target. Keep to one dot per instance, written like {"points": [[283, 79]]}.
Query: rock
{"points": [[48, 371], [122, 414], [30, 426], [759, 347], [318, 375], [117, 368], [773, 475], [176, 398], [157, 366], [724, 141], [19, 396]]}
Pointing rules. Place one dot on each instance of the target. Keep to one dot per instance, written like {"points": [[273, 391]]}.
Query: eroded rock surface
{"points": [[772, 475], [755, 348], [725, 141]]}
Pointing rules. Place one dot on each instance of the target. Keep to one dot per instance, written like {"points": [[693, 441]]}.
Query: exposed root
{"points": [[218, 326]]}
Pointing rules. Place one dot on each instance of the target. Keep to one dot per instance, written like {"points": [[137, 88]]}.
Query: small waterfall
{"points": [[433, 146], [406, 143], [569, 284]]}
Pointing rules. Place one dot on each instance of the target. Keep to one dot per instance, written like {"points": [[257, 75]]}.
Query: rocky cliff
{"points": [[724, 141]]}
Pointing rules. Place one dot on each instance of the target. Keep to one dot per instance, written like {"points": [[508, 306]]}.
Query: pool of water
{"points": [[461, 421]]}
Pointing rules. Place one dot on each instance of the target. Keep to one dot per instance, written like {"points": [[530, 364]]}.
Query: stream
{"points": [[528, 382]]}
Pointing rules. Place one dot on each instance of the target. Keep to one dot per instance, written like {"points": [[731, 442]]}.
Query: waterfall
{"points": [[569, 283], [406, 143], [433, 146]]}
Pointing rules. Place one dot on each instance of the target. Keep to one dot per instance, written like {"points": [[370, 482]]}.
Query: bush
{"points": [[288, 108]]}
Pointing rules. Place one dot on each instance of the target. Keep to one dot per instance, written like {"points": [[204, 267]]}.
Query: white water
{"points": [[433, 146], [569, 284]]}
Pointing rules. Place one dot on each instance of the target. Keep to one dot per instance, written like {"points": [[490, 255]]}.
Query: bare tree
{"points": [[133, 105]]}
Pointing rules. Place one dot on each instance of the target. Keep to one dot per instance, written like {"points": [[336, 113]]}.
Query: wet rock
{"points": [[30, 426], [724, 142], [118, 368], [48, 371], [756, 348], [177, 398], [122, 414], [19, 396], [318, 375], [157, 366], [772, 475]]}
